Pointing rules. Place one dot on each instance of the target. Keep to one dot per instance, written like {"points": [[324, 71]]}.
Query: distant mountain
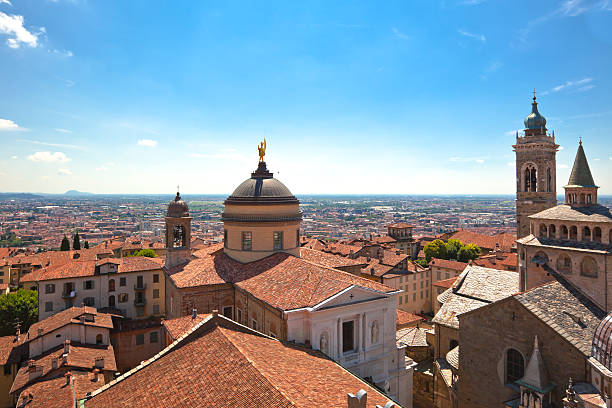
{"points": [[19, 196], [77, 193]]}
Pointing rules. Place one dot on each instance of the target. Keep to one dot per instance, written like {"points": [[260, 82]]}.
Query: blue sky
{"points": [[417, 97]]}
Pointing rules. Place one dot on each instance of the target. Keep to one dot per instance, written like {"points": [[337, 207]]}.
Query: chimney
{"points": [[95, 373], [34, 371], [54, 362], [99, 362], [194, 313], [357, 401], [215, 312], [40, 331], [68, 377], [397, 252], [67, 346], [372, 271]]}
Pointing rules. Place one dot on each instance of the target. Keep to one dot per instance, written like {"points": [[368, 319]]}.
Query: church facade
{"points": [[257, 278]]}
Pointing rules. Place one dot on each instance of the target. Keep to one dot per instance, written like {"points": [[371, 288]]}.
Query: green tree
{"points": [[422, 262], [452, 248], [65, 244], [435, 249], [76, 242], [18, 307], [149, 253], [468, 252], [86, 246]]}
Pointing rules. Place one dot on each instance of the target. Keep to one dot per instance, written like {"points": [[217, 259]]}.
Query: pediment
{"points": [[352, 294]]}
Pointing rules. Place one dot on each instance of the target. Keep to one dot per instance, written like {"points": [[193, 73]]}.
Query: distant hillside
{"points": [[19, 196], [77, 193]]}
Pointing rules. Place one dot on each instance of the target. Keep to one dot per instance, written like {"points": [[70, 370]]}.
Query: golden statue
{"points": [[262, 150]]}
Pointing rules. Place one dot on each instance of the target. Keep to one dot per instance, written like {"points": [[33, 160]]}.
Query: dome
{"points": [[177, 208], [535, 120], [261, 188], [601, 349]]}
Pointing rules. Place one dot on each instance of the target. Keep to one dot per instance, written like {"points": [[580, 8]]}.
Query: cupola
{"points": [[261, 217], [178, 232], [535, 120]]}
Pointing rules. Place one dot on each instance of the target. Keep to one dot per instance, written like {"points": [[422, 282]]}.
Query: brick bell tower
{"points": [[536, 169], [178, 232]]}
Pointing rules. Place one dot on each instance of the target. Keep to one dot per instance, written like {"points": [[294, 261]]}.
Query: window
{"points": [[155, 293], [564, 264], [7, 369], [111, 285], [49, 288], [139, 311], [139, 339], [278, 240], [421, 284], [89, 301], [156, 308], [111, 301], [414, 286], [228, 312], [414, 296], [421, 295], [453, 343], [438, 275], [254, 324], [297, 237], [348, 334], [588, 267], [139, 281], [400, 300], [225, 238], [99, 339], [247, 240], [156, 278], [515, 365], [122, 282], [153, 337], [88, 285], [239, 315], [48, 306], [123, 297]]}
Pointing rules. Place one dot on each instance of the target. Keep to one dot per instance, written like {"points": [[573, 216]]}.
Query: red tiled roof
{"points": [[68, 316], [505, 241], [326, 259], [404, 318], [10, 350], [179, 326], [400, 225], [491, 261], [448, 264], [80, 356], [446, 283], [54, 393], [243, 369]]}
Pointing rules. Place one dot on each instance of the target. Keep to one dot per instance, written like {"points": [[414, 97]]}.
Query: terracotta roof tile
{"points": [[55, 393], [326, 259], [448, 264], [181, 325], [403, 318], [68, 316]]}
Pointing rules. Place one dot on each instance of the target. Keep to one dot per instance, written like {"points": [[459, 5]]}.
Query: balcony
{"points": [[140, 286], [140, 301], [69, 294]]}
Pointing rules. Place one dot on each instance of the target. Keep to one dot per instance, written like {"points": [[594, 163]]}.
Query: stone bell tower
{"points": [[536, 169], [178, 232]]}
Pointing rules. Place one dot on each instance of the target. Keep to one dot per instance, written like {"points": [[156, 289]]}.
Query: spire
{"points": [[536, 376], [581, 173]]}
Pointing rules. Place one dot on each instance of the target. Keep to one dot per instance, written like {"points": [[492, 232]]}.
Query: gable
{"points": [[351, 295]]}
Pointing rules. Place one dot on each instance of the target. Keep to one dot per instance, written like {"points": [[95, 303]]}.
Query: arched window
{"points": [[515, 365], [99, 339], [573, 232], [534, 180], [586, 234], [111, 301], [552, 231], [540, 258], [111, 285], [564, 232], [597, 234], [582, 199], [589, 199], [543, 231], [588, 267], [548, 180], [564, 264], [178, 237], [527, 179]]}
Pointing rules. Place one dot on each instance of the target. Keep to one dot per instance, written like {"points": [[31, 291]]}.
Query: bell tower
{"points": [[178, 232], [536, 169]]}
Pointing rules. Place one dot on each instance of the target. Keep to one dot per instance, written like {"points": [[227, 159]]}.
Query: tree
{"points": [[65, 244], [18, 307], [76, 242], [452, 247], [86, 246], [422, 262], [468, 252], [435, 249], [149, 253]]}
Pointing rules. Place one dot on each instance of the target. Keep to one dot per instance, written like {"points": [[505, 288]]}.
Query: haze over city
{"points": [[419, 97]]}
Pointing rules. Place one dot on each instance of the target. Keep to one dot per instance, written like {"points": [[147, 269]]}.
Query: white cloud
{"points": [[400, 35], [583, 85], [466, 160], [14, 157], [563, 166], [573, 8], [63, 53], [102, 168], [64, 172], [5, 2], [48, 157], [63, 130], [147, 142], [561, 147], [19, 35], [478, 37], [6, 124], [38, 142]]}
